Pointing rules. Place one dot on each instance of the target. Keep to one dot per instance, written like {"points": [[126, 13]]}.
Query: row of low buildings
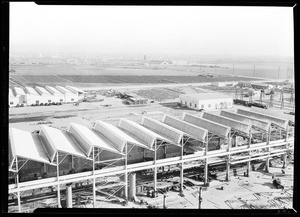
{"points": [[35, 96]]}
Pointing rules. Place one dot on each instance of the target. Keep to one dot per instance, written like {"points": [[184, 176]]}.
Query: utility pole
{"points": [[200, 198]]}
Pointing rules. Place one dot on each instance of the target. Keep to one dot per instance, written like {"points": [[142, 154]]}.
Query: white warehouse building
{"points": [[20, 94], [206, 101], [12, 99], [69, 95], [57, 96], [46, 97], [32, 96], [80, 93]]}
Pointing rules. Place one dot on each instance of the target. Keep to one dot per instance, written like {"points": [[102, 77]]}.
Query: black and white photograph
{"points": [[150, 107]]}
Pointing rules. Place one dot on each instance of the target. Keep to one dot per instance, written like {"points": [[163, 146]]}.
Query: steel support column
{"points": [[284, 160], [155, 168], [18, 193], [126, 174], [94, 180], [181, 169], [228, 168], [249, 162], [58, 186], [268, 143]]}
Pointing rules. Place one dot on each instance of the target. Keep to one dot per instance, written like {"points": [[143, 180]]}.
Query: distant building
{"points": [[180, 62], [244, 84], [80, 93], [20, 94], [57, 96], [69, 96], [32, 96], [46, 97], [166, 62], [206, 101], [12, 99], [218, 84]]}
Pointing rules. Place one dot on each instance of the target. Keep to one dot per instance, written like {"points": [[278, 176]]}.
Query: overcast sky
{"points": [[152, 29]]}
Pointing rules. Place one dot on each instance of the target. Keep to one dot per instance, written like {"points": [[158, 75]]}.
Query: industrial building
{"points": [[20, 94], [57, 96], [29, 96], [207, 101], [69, 96], [13, 100], [32, 96], [77, 91], [54, 160]]}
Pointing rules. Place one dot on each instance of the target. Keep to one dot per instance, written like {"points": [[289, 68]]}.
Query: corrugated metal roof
{"points": [[31, 90], [236, 125], [42, 90], [27, 145], [216, 128], [205, 96], [190, 129], [92, 138], [164, 130], [19, 91], [74, 89], [116, 136], [248, 120], [61, 141], [63, 90], [279, 114], [53, 90], [139, 132], [277, 121]]}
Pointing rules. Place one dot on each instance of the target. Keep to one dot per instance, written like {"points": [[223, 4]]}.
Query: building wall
{"points": [[207, 104], [68, 98], [13, 101]]}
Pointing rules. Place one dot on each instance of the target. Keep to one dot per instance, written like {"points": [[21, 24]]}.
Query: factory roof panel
{"points": [[93, 138], [26, 145], [279, 114], [277, 121], [162, 129], [190, 129], [42, 90], [216, 128], [64, 90], [206, 96], [31, 90], [74, 89], [139, 132], [53, 90], [118, 137], [61, 141], [11, 93], [263, 125], [233, 124], [19, 91]]}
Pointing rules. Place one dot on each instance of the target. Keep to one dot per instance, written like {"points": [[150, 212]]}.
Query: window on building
{"points": [[61, 100], [11, 103], [72, 99], [49, 100]]}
